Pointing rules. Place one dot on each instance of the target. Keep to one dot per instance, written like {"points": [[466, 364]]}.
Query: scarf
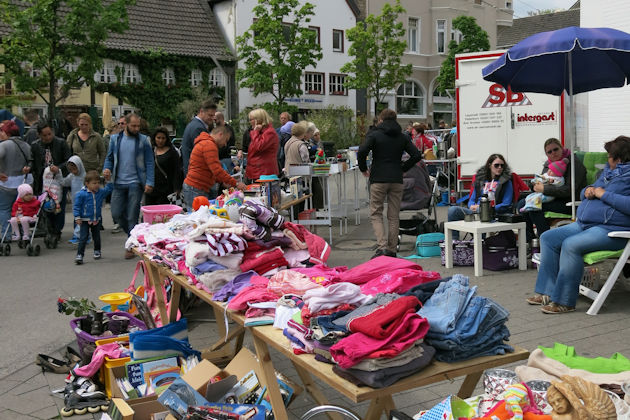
{"points": [[612, 173], [566, 153]]}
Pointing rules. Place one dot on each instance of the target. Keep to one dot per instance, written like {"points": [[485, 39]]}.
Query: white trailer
{"points": [[493, 120]]}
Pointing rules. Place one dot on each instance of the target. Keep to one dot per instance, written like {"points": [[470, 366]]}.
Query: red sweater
{"points": [[29, 208], [204, 167], [262, 155]]}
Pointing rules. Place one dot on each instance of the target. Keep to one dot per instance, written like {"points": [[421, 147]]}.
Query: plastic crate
{"points": [[83, 338], [591, 278], [159, 213], [109, 364]]}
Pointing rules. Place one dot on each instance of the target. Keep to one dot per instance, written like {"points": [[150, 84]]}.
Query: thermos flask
{"points": [[484, 209]]}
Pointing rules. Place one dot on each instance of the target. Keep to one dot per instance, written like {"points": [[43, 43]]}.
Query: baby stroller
{"points": [[31, 250], [419, 193]]}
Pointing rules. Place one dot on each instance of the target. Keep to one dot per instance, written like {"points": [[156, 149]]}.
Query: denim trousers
{"points": [[7, 197], [125, 205], [456, 213], [447, 304], [561, 259], [538, 217], [480, 316], [86, 228], [190, 193]]}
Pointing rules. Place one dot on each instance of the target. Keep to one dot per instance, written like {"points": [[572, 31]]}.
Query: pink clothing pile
{"points": [[398, 281], [371, 269]]}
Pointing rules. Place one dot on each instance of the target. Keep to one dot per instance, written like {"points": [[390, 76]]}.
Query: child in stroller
{"points": [[53, 189], [24, 211]]}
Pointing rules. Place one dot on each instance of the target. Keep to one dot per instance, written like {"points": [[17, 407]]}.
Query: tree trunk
{"points": [[52, 100]]}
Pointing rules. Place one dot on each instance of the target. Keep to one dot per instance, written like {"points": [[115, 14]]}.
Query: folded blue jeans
{"points": [[448, 302]]}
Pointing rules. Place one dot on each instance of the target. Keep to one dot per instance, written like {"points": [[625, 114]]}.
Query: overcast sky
{"points": [[521, 7]]}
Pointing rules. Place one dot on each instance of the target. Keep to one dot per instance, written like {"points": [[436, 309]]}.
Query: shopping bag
{"points": [[500, 251], [451, 408], [149, 294], [463, 253], [176, 199]]}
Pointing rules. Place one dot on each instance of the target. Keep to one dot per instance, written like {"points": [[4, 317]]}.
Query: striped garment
{"points": [[222, 244]]}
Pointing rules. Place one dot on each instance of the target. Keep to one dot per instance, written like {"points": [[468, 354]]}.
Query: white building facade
{"points": [[607, 110], [322, 84]]}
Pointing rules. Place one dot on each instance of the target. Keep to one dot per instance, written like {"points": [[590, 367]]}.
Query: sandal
{"points": [[51, 364], [554, 308], [539, 300]]}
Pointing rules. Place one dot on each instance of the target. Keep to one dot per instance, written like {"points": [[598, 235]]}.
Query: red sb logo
{"points": [[498, 95]]}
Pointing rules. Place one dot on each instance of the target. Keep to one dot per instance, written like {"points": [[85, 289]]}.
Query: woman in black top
{"points": [[168, 168]]}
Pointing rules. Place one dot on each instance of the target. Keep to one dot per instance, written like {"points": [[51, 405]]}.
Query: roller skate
{"points": [[76, 403]]}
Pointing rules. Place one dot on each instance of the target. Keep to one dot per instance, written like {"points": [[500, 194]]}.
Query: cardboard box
{"points": [[297, 170], [198, 377], [296, 186]]}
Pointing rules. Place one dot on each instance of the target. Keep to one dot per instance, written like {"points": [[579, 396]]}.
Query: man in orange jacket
{"points": [[204, 167]]}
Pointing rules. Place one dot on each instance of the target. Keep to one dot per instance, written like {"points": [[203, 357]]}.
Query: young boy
{"points": [[75, 180], [87, 213]]}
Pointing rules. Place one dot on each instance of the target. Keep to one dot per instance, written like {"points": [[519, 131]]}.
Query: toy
{"points": [[320, 157]]}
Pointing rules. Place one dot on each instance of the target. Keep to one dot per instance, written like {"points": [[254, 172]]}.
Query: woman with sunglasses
{"points": [[561, 193], [493, 180], [605, 207]]}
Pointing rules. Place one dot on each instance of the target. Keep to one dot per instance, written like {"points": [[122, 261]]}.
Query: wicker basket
{"points": [[83, 338]]}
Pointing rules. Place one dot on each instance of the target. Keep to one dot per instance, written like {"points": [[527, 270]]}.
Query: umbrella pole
{"points": [[572, 135]]}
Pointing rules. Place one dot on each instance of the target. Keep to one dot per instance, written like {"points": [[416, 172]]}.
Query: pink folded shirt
{"points": [[398, 281]]}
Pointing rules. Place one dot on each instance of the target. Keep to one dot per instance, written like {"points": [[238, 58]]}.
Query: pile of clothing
{"points": [[364, 320], [212, 251], [464, 325]]}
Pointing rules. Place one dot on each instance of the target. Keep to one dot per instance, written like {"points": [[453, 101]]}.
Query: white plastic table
{"points": [[478, 228]]}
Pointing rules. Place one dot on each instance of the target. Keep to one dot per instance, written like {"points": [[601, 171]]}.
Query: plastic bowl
{"points": [[159, 213]]}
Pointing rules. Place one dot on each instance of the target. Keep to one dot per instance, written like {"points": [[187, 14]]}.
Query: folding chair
{"points": [[599, 297]]}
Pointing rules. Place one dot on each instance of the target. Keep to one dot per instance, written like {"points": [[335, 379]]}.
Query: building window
{"points": [[337, 40], [70, 67], [508, 5], [336, 84], [410, 99], [216, 77], [413, 34], [131, 74], [314, 83], [316, 30], [107, 74], [441, 35], [456, 35], [195, 78], [168, 75]]}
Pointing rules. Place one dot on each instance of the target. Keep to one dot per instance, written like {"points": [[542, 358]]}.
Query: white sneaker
{"points": [[116, 229], [536, 258]]}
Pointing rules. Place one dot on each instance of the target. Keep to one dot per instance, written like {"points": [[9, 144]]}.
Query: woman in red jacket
{"points": [[263, 150]]}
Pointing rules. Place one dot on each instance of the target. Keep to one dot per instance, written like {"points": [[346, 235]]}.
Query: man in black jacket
{"points": [[387, 144]]}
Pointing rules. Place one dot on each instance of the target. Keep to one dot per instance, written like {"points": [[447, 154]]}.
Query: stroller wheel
{"points": [[47, 243], [37, 250], [1, 251], [29, 250], [7, 250], [53, 243]]}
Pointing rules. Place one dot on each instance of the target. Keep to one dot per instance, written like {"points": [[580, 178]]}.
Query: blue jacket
{"points": [[612, 211], [145, 163], [191, 132], [87, 205]]}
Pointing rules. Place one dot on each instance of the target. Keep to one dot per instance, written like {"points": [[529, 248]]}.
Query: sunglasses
{"points": [[498, 165], [550, 151]]}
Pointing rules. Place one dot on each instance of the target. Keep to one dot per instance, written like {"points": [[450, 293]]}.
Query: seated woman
{"points": [[561, 193], [494, 180], [605, 207]]}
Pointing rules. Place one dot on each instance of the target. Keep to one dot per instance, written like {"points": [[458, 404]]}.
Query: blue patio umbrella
{"points": [[571, 59]]}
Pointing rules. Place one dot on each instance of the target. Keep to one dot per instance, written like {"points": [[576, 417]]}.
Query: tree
{"points": [[275, 53], [543, 11], [377, 46], [473, 39], [54, 46]]}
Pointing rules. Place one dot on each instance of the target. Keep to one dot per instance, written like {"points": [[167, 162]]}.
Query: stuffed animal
{"points": [[320, 157]]}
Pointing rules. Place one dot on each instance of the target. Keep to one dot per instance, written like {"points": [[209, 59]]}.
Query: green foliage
{"points": [[275, 54], [542, 12], [52, 40], [75, 306], [337, 124], [154, 99], [378, 44], [473, 39]]}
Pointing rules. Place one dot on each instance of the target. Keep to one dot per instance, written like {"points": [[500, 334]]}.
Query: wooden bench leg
{"points": [[378, 406], [469, 384], [264, 358], [314, 391]]}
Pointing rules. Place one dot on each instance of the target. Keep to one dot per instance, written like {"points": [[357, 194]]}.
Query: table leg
{"points": [[448, 248], [379, 405], [264, 358], [176, 290], [478, 251], [313, 389], [469, 384], [522, 250]]}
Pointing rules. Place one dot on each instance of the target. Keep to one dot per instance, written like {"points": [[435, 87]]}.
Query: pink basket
{"points": [[159, 213]]}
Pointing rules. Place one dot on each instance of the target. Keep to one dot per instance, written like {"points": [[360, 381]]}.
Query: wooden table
{"points": [[306, 366], [477, 229]]}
